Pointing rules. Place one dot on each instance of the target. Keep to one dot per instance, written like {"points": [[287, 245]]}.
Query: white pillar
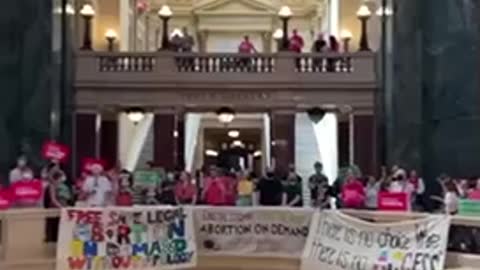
{"points": [[333, 17], [351, 138], [125, 11], [131, 138], [98, 134]]}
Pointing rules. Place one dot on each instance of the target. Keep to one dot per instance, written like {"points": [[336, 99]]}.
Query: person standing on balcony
{"points": [[296, 42], [296, 45], [246, 47], [124, 195], [21, 171], [185, 190], [245, 188], [334, 47], [175, 43], [97, 188], [292, 195], [319, 46], [353, 193], [187, 41], [319, 187], [215, 190], [270, 190]]}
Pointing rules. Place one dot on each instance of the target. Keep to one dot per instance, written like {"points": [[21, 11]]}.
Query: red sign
{"points": [[5, 198], [393, 201], [88, 163], [53, 150], [27, 191]]}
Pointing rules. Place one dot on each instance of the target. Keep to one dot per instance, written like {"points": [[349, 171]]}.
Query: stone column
{"points": [[433, 114], [202, 37], [283, 139], [267, 42], [26, 64], [109, 139], [164, 140], [84, 138]]}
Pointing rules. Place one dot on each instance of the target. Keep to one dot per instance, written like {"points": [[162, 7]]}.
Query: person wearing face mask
{"points": [[166, 193], [270, 190], [58, 195], [21, 171], [125, 190], [97, 188]]}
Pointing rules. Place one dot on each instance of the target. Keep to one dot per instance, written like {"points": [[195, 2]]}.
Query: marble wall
{"points": [[25, 77], [434, 119]]}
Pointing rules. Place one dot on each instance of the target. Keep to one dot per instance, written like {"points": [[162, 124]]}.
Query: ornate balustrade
{"points": [[23, 246], [282, 70]]}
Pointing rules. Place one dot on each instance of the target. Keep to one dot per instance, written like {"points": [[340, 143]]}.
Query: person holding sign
{"points": [[97, 187]]}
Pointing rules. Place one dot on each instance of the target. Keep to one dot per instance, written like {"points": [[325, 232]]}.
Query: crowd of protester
{"points": [[215, 186], [182, 41]]}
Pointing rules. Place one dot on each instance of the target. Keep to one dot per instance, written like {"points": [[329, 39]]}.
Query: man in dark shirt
{"points": [[270, 190], [319, 187]]}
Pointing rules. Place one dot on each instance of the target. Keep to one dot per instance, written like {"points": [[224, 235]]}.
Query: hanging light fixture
{"points": [[316, 114], [225, 115], [233, 134], [135, 114]]}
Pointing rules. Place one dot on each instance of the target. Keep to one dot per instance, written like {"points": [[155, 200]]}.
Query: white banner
{"points": [[126, 238], [340, 242], [259, 231]]}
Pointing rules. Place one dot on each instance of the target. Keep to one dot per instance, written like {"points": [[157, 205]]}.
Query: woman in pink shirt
{"points": [[474, 194], [353, 193], [215, 190], [185, 190]]}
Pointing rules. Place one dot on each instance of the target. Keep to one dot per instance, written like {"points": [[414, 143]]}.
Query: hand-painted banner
{"points": [[126, 238], [272, 232], [339, 242]]}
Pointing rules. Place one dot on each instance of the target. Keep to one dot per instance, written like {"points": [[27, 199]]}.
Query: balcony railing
{"points": [[281, 69], [23, 246]]}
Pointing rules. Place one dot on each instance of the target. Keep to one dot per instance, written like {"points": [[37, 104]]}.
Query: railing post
{"points": [[362, 66], [165, 64], [285, 63]]}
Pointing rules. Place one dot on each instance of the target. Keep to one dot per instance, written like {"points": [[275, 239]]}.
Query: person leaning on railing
{"points": [[319, 46], [246, 48], [334, 47]]}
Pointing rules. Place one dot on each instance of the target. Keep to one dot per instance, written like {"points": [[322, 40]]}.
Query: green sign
{"points": [[147, 178], [469, 208]]}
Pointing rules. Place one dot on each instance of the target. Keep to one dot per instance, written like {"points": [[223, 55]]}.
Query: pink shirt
{"points": [[185, 192], [474, 195], [246, 47], [215, 191], [353, 194]]}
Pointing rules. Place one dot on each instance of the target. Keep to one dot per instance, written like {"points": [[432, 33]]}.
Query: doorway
{"points": [[233, 149]]}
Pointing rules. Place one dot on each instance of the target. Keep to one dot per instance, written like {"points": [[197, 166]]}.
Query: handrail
{"points": [[168, 62]]}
